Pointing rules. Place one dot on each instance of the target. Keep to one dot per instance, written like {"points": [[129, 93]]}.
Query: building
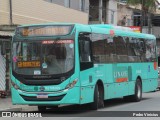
{"points": [[99, 11], [80, 5], [125, 15], [17, 12], [150, 24], [24, 12], [103, 11]]}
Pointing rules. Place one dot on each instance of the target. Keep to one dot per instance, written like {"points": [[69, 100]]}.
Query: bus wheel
{"points": [[98, 98], [137, 94], [138, 91], [41, 108]]}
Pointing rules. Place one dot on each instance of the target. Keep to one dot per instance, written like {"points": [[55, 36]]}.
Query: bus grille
{"points": [[50, 98]]}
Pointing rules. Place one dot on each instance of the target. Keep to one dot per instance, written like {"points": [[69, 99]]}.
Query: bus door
{"points": [[86, 67]]}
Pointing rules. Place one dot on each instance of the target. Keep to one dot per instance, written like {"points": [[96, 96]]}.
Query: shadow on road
{"points": [[83, 110]]}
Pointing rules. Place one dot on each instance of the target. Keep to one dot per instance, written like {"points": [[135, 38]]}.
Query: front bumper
{"points": [[69, 96]]}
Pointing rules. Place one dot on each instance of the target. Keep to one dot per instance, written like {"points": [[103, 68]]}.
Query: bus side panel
{"points": [[150, 85], [87, 94], [89, 79], [147, 74], [131, 87], [115, 90], [109, 74], [139, 69], [87, 85]]}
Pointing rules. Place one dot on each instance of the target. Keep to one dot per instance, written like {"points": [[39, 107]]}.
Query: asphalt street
{"points": [[114, 109]]}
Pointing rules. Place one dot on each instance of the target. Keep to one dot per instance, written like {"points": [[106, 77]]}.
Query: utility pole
{"points": [[142, 5], [100, 11], [10, 11], [149, 22]]}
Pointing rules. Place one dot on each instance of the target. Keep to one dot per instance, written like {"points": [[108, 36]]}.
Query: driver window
{"points": [[85, 51]]}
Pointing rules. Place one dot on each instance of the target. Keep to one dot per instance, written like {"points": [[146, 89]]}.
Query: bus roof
{"points": [[123, 31], [51, 23], [103, 28]]}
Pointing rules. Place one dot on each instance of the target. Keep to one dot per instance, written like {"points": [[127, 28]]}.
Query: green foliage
{"points": [[147, 4], [134, 2]]}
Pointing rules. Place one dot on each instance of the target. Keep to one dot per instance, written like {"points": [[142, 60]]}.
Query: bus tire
{"points": [[98, 100], [41, 108], [138, 91]]}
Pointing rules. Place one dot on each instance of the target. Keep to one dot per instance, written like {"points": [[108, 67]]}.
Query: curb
{"points": [[11, 109]]}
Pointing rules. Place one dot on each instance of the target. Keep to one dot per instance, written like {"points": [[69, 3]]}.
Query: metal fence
{"points": [[2, 73]]}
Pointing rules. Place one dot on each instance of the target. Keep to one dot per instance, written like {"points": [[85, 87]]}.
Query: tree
{"points": [[147, 6]]}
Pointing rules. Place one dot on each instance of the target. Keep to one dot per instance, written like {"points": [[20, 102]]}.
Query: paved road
{"points": [[149, 104]]}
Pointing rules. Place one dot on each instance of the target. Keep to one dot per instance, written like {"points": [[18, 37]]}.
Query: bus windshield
{"points": [[46, 57]]}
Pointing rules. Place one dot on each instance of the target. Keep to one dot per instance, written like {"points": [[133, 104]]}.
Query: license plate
{"points": [[42, 96]]}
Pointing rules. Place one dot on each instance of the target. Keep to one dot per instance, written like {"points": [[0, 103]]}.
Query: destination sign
{"points": [[44, 30], [30, 64], [57, 42]]}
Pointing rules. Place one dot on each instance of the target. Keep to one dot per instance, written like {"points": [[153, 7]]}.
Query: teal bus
{"points": [[63, 63]]}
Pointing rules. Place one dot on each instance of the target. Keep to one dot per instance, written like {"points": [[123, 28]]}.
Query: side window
{"points": [[142, 49], [136, 49], [103, 48], [110, 50], [85, 51], [150, 50], [98, 49], [139, 49], [131, 50], [121, 49]]}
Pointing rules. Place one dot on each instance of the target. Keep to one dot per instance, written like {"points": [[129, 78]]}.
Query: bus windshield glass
{"points": [[46, 57]]}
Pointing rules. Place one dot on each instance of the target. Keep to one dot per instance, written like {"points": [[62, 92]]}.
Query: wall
{"points": [[112, 10], [39, 11], [156, 31], [74, 4], [124, 11], [59, 2]]}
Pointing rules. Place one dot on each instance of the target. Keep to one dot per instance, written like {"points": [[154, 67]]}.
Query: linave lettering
{"points": [[120, 74]]}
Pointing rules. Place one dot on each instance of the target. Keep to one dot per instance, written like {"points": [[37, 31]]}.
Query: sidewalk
{"points": [[6, 105]]}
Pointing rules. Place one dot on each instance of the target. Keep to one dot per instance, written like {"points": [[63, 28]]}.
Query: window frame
{"points": [[85, 64]]}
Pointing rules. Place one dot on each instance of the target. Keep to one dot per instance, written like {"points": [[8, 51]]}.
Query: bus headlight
{"points": [[14, 85], [71, 85]]}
